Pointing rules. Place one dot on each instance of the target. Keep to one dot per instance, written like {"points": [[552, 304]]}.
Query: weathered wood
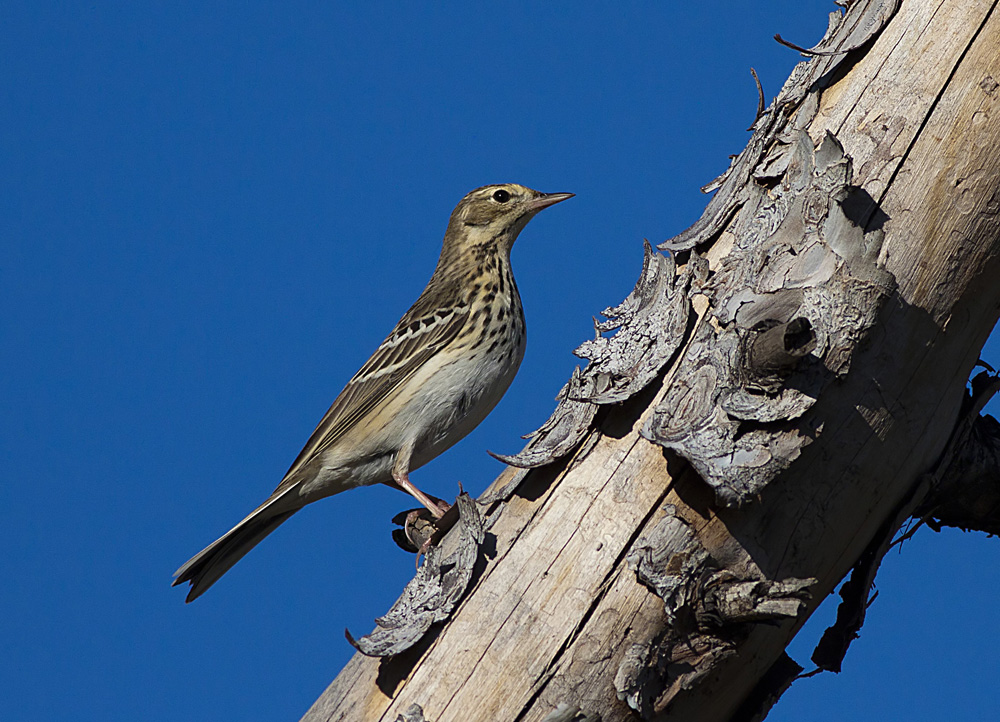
{"points": [[777, 400]]}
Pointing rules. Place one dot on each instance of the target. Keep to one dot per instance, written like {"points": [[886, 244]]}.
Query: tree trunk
{"points": [[783, 391]]}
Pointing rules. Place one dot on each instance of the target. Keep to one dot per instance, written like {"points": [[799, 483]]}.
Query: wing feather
{"points": [[408, 347]]}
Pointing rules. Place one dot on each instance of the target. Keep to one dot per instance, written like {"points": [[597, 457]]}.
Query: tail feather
{"points": [[205, 567]]}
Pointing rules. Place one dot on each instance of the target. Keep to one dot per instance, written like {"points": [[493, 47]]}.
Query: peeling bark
{"points": [[433, 593], [966, 494], [779, 394], [650, 325]]}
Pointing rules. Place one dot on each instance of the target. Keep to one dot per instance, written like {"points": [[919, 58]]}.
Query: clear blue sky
{"points": [[210, 216]]}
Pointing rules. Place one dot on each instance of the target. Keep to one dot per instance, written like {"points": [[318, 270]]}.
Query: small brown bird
{"points": [[443, 368]]}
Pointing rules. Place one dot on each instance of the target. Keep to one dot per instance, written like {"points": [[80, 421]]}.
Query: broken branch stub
{"points": [[777, 350]]}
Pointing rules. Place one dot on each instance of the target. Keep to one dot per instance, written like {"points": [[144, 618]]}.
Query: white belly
{"points": [[456, 398]]}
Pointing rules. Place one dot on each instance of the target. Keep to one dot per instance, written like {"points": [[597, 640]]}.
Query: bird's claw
{"points": [[422, 529]]}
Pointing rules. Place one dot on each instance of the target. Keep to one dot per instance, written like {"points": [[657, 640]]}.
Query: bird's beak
{"points": [[547, 199]]}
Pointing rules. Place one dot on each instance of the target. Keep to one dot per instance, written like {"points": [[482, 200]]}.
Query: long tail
{"points": [[205, 567]]}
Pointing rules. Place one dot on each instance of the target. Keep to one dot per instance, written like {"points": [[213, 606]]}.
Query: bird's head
{"points": [[492, 216]]}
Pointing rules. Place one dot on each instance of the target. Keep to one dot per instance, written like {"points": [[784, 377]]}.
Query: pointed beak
{"points": [[547, 199]]}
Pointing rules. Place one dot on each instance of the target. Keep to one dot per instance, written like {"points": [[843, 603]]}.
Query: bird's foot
{"points": [[421, 529]]}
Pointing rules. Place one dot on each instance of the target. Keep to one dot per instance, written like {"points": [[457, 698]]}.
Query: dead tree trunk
{"points": [[782, 391]]}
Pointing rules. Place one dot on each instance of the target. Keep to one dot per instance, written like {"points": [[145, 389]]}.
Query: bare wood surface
{"points": [[622, 579]]}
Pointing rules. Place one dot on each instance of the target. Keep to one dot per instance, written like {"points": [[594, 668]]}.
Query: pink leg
{"points": [[437, 508], [400, 474]]}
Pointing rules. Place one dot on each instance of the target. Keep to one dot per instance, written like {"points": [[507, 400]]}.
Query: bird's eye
{"points": [[501, 196]]}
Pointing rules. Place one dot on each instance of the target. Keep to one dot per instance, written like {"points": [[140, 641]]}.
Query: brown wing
{"points": [[415, 339]]}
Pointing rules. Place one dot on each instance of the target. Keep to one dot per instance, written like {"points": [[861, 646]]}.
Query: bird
{"points": [[437, 375]]}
